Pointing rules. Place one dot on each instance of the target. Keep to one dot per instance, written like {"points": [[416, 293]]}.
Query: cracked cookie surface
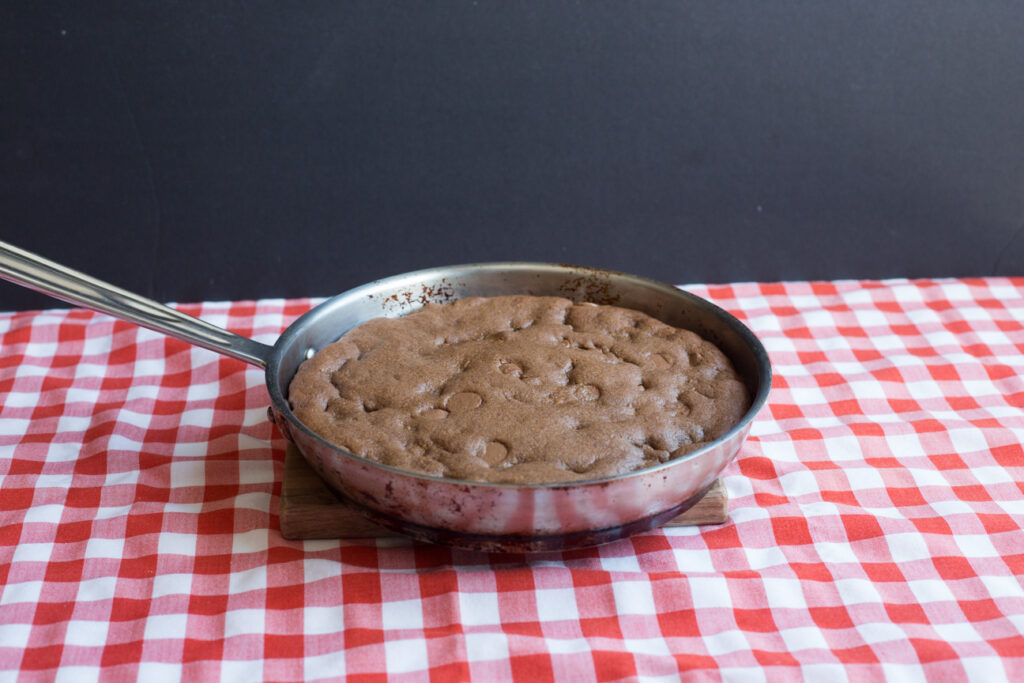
{"points": [[519, 389]]}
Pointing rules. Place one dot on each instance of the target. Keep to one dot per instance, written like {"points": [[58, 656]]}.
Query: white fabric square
{"points": [[171, 584], [316, 569], [556, 604], [171, 543], [406, 656], [779, 451], [925, 389], [633, 597], [253, 579], [799, 483], [693, 560], [862, 478], [857, 591], [871, 317], [99, 589], [19, 399], [783, 593], [197, 417], [709, 591], [160, 671], [207, 391], [76, 674], [825, 673], [926, 477], [254, 500], [835, 552], [904, 673], [73, 424], [1002, 587], [32, 552], [486, 647], [165, 626], [319, 621], [992, 475], [252, 541], [624, 564], [478, 609], [86, 633], [186, 473], [15, 636], [976, 545], [328, 666], [867, 389], [242, 669], [725, 642], [880, 632], [567, 646], [907, 547], [930, 590], [256, 472], [128, 416], [844, 449], [238, 622], [902, 445], [43, 514], [149, 367], [807, 396], [967, 440], [762, 558], [803, 638], [647, 646], [983, 669], [21, 593], [402, 614], [957, 633]]}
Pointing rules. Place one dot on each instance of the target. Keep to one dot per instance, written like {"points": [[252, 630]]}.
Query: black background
{"points": [[208, 151]]}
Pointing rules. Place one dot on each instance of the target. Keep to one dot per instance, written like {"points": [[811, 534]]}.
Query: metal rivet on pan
{"points": [[310, 352]]}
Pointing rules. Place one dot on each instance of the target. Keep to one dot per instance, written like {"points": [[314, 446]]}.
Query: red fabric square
{"points": [[883, 572], [361, 587], [905, 496], [929, 650], [613, 665], [984, 609], [534, 667], [953, 568], [757, 467], [791, 531], [600, 627], [831, 617], [679, 623], [756, 620], [765, 658], [861, 527], [816, 571], [906, 614]]}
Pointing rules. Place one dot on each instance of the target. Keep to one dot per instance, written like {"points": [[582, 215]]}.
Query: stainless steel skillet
{"points": [[492, 517]]}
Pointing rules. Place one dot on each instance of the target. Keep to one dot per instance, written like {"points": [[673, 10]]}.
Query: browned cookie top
{"points": [[519, 389]]}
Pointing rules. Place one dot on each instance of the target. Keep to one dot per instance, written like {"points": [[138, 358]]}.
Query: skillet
{"points": [[480, 516]]}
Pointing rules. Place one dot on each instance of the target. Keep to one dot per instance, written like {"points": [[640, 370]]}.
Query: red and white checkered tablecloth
{"points": [[876, 518]]}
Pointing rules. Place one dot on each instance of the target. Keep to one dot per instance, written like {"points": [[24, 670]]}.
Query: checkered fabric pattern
{"points": [[875, 532]]}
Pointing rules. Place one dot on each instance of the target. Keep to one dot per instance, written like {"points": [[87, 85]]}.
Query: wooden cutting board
{"points": [[309, 509]]}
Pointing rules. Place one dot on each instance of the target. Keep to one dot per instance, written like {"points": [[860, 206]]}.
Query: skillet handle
{"points": [[42, 275]]}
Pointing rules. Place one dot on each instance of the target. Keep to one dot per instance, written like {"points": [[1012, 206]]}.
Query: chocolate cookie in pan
{"points": [[519, 389]]}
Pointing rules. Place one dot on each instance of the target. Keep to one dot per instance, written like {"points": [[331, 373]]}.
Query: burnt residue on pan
{"points": [[591, 284], [441, 292]]}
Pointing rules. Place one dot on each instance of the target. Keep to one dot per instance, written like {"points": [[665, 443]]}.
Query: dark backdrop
{"points": [[210, 150]]}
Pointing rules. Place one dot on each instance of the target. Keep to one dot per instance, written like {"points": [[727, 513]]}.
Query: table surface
{"points": [[875, 523]]}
